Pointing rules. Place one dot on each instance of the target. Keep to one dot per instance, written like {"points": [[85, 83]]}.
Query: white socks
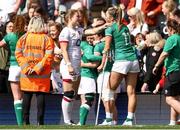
{"points": [[66, 109], [130, 115]]}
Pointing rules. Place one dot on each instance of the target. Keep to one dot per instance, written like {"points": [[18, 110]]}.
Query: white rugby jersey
{"points": [[73, 37]]}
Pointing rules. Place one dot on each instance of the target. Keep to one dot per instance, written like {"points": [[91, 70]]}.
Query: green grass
{"points": [[46, 127]]}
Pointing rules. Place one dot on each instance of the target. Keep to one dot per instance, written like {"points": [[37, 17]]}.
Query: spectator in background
{"points": [[150, 8], [34, 53], [4, 59], [54, 31], [73, 4], [69, 40], [167, 7], [140, 52], [49, 7], [171, 58], [53, 8], [39, 3], [29, 14], [83, 19], [137, 23], [175, 15], [39, 11], [33, 3], [8, 27], [154, 44], [10, 7], [10, 40], [124, 2]]}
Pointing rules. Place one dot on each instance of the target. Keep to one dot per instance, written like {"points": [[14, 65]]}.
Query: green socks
{"points": [[128, 119], [18, 111], [84, 110], [108, 119]]}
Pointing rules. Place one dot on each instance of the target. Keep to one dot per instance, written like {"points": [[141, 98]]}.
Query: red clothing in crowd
{"points": [[146, 7]]}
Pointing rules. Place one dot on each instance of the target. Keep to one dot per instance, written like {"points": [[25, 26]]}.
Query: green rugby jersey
{"points": [[88, 56], [121, 42], [99, 47]]}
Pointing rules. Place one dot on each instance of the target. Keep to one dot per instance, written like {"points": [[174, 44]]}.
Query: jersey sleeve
{"points": [[83, 45], [97, 49], [6, 39], [170, 44], [64, 35], [108, 31], [93, 57]]}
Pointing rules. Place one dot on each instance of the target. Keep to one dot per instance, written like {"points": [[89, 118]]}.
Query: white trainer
{"points": [[107, 123], [127, 123], [70, 123]]}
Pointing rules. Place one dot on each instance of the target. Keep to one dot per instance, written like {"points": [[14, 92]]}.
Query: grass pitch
{"points": [[89, 127]]}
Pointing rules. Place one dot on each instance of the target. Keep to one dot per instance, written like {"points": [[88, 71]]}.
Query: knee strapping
{"points": [[69, 94], [89, 98], [108, 94]]}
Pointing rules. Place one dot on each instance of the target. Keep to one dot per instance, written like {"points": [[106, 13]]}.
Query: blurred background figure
{"points": [[151, 10], [10, 7], [137, 23], [154, 44], [56, 80]]}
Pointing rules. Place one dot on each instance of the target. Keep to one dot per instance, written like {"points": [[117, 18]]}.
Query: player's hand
{"points": [[71, 70], [154, 71], [100, 68]]}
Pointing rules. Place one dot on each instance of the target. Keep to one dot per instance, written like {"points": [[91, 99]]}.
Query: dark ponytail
{"points": [[173, 24]]}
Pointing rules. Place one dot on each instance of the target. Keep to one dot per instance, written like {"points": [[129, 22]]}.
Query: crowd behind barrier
{"points": [[87, 47]]}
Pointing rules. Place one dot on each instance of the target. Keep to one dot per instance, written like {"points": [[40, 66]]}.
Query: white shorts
{"points": [[64, 70], [125, 67], [87, 85], [14, 73], [102, 83]]}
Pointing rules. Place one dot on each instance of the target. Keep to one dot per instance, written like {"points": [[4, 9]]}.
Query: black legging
{"points": [[40, 107]]}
